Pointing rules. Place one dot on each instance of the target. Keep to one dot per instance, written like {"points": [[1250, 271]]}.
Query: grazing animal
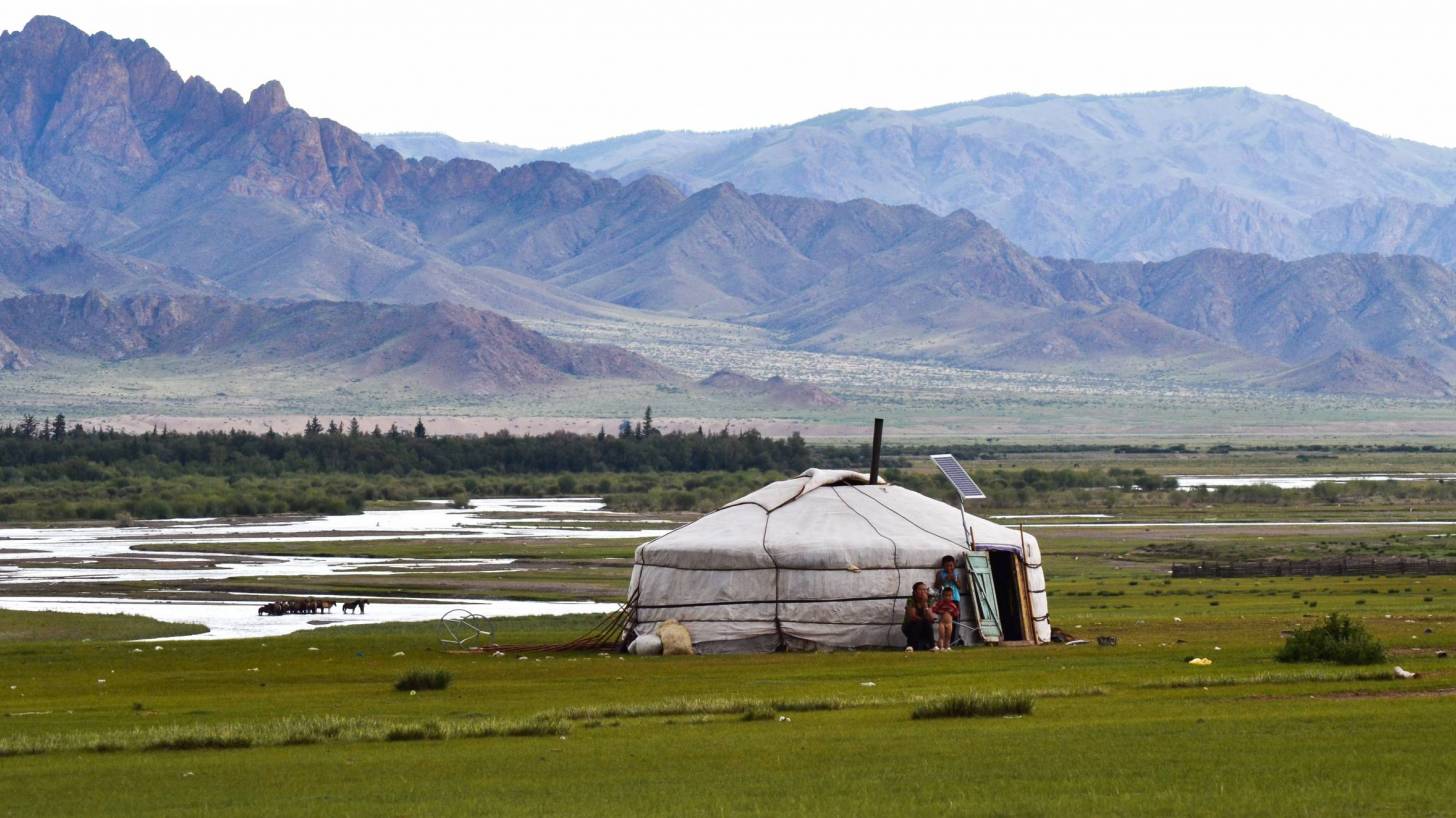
{"points": [[357, 606]]}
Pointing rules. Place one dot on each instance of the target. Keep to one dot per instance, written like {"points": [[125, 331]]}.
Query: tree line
{"points": [[51, 448]]}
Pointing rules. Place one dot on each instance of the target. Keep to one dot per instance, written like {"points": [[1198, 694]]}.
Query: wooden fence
{"points": [[1328, 566]]}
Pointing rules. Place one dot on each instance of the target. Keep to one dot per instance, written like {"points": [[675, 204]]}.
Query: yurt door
{"points": [[983, 588]]}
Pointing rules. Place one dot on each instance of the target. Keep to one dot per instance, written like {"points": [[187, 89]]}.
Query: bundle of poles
{"points": [[607, 635]]}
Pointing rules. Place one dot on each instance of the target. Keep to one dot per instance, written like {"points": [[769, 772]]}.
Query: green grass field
{"points": [[312, 723], [1127, 730]]}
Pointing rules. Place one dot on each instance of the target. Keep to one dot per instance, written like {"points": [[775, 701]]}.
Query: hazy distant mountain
{"points": [[1235, 315], [775, 390], [1367, 373], [118, 175], [1138, 176], [451, 348]]}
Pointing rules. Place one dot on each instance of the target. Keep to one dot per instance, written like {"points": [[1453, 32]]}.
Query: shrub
{"points": [[969, 705], [1338, 639], [758, 713], [424, 680]]}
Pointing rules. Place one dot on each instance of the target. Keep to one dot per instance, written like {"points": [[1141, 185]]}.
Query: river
{"points": [[96, 554]]}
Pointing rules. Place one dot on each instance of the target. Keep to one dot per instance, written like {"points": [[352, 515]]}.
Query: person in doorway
{"points": [[948, 576], [919, 622], [946, 611]]}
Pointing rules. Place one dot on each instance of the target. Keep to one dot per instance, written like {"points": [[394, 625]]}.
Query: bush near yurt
{"points": [[420, 679], [973, 705], [1338, 639]]}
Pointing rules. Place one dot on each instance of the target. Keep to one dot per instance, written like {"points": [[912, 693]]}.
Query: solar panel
{"points": [[957, 476]]}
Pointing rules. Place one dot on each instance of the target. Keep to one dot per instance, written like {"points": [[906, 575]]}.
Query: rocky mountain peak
{"points": [[266, 100]]}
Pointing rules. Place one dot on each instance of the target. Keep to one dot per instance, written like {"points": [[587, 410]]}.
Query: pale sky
{"points": [[543, 73]]}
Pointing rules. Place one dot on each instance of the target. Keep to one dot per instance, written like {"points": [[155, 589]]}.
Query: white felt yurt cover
{"points": [[823, 559]]}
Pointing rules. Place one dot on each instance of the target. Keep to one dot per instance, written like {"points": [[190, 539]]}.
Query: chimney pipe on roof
{"points": [[875, 453]]}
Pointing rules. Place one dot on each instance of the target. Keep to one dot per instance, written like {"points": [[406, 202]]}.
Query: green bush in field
{"points": [[758, 713], [969, 705], [1338, 639], [424, 680]]}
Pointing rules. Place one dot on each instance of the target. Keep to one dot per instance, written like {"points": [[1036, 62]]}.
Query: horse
{"points": [[357, 606]]}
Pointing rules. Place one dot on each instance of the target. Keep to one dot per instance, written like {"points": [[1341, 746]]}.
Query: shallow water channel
{"points": [[29, 556], [1297, 481]]}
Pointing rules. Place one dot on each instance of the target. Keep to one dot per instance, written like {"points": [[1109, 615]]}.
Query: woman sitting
{"points": [[919, 623]]}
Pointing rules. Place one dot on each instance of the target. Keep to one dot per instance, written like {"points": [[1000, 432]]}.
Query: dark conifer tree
{"points": [[420, 429]]}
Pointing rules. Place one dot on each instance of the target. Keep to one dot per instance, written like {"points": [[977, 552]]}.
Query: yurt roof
{"points": [[834, 510]]}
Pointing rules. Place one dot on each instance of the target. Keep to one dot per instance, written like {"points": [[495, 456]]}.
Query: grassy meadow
{"points": [[91, 722], [1131, 729]]}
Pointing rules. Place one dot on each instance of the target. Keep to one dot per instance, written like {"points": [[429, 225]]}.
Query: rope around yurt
{"points": [[607, 634]]}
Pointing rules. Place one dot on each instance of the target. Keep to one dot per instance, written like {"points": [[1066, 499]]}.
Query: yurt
{"points": [[827, 560]]}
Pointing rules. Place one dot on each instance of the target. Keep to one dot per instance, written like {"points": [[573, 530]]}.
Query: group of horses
{"points": [[308, 605]]}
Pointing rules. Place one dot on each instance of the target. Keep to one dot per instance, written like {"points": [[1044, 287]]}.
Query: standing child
{"points": [[946, 612], [948, 576]]}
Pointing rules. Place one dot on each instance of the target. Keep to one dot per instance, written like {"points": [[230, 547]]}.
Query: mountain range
{"points": [[118, 175], [443, 346], [1129, 177]]}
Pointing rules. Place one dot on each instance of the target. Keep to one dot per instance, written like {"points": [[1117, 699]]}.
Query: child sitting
{"points": [[947, 612]]}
